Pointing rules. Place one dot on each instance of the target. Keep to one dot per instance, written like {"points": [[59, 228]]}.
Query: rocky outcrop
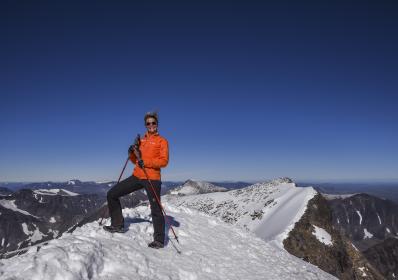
{"points": [[314, 239], [384, 256], [366, 220]]}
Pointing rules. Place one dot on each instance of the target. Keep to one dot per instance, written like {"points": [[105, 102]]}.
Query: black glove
{"points": [[136, 144], [137, 141], [141, 163]]}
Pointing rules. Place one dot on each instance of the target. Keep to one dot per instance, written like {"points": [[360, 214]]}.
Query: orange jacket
{"points": [[155, 154]]}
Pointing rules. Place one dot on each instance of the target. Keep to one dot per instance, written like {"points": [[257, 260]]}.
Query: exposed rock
{"points": [[340, 258], [384, 256]]}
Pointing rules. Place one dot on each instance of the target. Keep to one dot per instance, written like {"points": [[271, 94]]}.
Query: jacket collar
{"points": [[147, 135]]}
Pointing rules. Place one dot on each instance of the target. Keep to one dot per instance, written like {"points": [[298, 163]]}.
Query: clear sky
{"points": [[245, 90]]}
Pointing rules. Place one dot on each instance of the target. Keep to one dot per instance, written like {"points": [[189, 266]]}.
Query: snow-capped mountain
{"points": [[75, 186], [371, 223], [366, 219], [211, 249], [28, 217], [191, 187]]}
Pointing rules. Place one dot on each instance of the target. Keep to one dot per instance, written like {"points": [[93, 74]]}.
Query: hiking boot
{"points": [[156, 244], [114, 229]]}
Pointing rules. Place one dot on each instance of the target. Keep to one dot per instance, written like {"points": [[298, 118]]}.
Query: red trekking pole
{"points": [[120, 176], [160, 204]]}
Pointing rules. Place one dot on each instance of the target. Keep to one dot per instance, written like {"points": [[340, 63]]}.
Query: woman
{"points": [[149, 153]]}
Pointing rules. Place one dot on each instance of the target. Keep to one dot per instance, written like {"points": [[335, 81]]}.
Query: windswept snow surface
{"points": [[268, 209], [211, 249]]}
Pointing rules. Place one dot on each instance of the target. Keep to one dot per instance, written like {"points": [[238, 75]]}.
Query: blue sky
{"points": [[245, 91]]}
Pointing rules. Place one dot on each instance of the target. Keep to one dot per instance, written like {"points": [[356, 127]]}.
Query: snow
{"points": [[362, 269], [52, 220], [360, 217], [2, 242], [35, 235], [268, 209], [354, 247], [25, 229], [10, 204], [388, 230], [367, 234], [211, 249], [62, 192], [379, 218], [322, 235], [71, 182]]}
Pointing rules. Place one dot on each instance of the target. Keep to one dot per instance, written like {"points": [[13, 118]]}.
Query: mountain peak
{"points": [[191, 187]]}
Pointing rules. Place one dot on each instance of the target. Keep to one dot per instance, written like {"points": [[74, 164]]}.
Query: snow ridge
{"points": [[279, 203]]}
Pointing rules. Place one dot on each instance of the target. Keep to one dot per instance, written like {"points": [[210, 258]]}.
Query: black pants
{"points": [[127, 186]]}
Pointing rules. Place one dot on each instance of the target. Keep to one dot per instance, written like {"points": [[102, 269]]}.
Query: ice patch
{"points": [[322, 235], [2, 242], [388, 230], [367, 234], [52, 220]]}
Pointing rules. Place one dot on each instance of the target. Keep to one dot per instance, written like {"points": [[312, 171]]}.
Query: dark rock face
{"points": [[365, 219], [339, 258], [384, 256], [28, 217]]}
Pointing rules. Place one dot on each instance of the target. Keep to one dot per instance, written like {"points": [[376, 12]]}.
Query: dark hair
{"points": [[151, 115]]}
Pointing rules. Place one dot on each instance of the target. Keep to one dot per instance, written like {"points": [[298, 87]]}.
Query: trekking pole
{"points": [[160, 205], [120, 176]]}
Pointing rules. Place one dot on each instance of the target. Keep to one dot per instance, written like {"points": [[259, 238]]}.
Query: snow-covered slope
{"points": [[269, 209], [55, 192], [211, 249], [191, 187]]}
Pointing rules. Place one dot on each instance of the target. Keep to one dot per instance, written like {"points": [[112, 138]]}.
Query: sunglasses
{"points": [[151, 123]]}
